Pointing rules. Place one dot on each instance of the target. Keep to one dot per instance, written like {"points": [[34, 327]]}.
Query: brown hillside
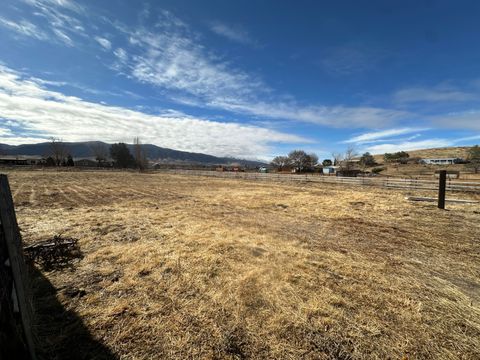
{"points": [[460, 152]]}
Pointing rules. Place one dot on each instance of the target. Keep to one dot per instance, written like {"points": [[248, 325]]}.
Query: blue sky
{"points": [[250, 79]]}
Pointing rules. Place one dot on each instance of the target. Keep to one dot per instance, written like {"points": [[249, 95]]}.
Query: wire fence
{"points": [[386, 182]]}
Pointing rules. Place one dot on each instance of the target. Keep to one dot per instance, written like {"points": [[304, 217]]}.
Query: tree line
{"points": [[301, 161], [298, 160], [119, 153], [121, 156]]}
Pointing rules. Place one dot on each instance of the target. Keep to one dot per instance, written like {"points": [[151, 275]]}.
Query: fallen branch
{"points": [[53, 254]]}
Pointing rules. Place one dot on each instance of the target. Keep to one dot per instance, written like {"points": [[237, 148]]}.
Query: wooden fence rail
{"points": [[399, 183], [16, 338]]}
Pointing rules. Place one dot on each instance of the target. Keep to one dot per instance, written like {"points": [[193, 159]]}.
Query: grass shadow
{"points": [[60, 333]]}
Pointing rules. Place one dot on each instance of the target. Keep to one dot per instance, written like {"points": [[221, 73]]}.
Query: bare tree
{"points": [[474, 159], [139, 154], [280, 162], [348, 157], [100, 151], [58, 150], [337, 158], [301, 161], [313, 159]]}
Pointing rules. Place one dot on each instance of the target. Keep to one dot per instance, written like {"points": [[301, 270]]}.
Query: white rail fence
{"points": [[418, 184]]}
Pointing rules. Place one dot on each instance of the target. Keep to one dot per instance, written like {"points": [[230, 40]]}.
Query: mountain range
{"points": [[153, 152]]}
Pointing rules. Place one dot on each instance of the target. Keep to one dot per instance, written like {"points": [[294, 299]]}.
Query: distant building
{"points": [[330, 170], [263, 169], [442, 161], [13, 160]]}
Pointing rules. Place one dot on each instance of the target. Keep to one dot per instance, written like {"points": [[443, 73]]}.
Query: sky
{"points": [[249, 79]]}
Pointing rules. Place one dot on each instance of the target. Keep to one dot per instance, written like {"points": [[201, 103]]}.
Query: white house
{"points": [[442, 161], [330, 170]]}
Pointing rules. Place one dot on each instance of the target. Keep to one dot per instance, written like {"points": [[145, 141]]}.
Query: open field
{"points": [[192, 267]]}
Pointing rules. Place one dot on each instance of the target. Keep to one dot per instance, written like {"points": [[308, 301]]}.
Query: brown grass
{"points": [[446, 152], [189, 267]]}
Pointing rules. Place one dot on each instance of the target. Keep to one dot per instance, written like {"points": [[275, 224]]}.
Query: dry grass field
{"points": [[178, 267], [446, 152]]}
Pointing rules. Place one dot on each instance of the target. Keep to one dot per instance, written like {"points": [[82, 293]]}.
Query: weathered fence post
{"points": [[11, 236], [442, 182]]}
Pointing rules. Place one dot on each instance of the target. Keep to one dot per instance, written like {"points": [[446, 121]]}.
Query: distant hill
{"points": [[446, 152], [154, 153]]}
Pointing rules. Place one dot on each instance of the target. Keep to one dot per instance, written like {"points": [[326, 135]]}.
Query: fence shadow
{"points": [[60, 333]]}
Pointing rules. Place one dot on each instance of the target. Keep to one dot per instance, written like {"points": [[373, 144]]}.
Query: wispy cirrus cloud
{"points": [[433, 95], [24, 28], [172, 58], [467, 138], [63, 37], [375, 136], [408, 145], [42, 113], [57, 26], [65, 4], [468, 119], [235, 33], [349, 59], [61, 17], [105, 43]]}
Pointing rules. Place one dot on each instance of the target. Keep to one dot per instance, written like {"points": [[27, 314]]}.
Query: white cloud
{"points": [[63, 37], [408, 145], [334, 116], [380, 134], [173, 58], [436, 94], [468, 138], [234, 33], [61, 18], [24, 28], [121, 55], [19, 140], [4, 131], [464, 120], [65, 4], [105, 43], [50, 113]]}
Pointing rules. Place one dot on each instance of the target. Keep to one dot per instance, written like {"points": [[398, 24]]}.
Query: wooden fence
{"points": [[386, 182], [16, 339]]}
